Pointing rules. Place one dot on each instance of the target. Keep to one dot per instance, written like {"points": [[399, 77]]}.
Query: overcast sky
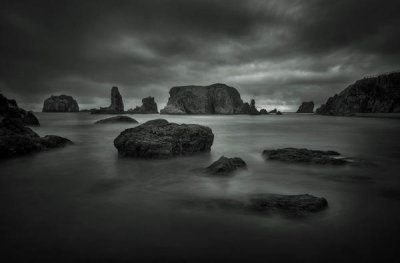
{"points": [[278, 52]]}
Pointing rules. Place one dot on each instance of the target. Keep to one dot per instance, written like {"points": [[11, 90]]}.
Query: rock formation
{"points": [[10, 109], [278, 113], [17, 140], [213, 99], [274, 111], [160, 139], [117, 119], [253, 110], [306, 107], [226, 165], [300, 155], [263, 111], [62, 103], [149, 106], [370, 95], [116, 107]]}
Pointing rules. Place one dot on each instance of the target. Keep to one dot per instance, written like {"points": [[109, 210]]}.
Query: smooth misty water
{"points": [[83, 202]]}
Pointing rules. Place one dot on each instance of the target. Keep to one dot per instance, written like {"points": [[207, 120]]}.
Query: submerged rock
{"points": [[160, 139], [370, 95], [62, 103], [266, 203], [116, 107], [17, 140], [149, 106], [306, 107], [226, 165], [117, 119], [10, 109], [301, 155]]}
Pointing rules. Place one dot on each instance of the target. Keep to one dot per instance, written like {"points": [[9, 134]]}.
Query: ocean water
{"points": [[85, 203]]}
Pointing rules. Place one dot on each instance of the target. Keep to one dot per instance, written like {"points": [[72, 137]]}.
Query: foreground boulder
{"points": [[62, 103], [301, 155], [161, 139], [149, 106], [370, 95], [117, 119], [306, 107], [226, 165], [266, 203], [10, 109], [17, 140], [116, 107]]}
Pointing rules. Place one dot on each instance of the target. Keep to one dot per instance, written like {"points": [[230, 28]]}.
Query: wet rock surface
{"points": [[302, 155], [161, 139], [116, 107], [265, 204], [17, 140], [226, 165], [62, 103], [9, 109], [117, 119], [306, 107]]}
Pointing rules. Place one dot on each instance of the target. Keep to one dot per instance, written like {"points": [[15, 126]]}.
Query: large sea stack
{"points": [[62, 103], [149, 106], [213, 99], [306, 107], [116, 107], [370, 95], [10, 109]]}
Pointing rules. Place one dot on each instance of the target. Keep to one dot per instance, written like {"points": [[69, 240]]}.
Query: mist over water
{"points": [[85, 203]]}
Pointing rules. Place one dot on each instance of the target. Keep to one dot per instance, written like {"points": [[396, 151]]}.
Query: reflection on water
{"points": [[85, 203]]}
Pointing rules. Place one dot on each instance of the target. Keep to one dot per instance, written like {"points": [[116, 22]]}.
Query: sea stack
{"points": [[306, 107], [116, 107], [213, 99], [62, 103], [379, 94], [149, 106], [253, 110]]}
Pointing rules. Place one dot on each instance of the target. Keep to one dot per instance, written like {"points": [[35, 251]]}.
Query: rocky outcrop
{"points": [[161, 139], [306, 107], [62, 103], [274, 111], [116, 107], [299, 205], [370, 95], [253, 110], [263, 111], [226, 165], [149, 106], [213, 99], [10, 109], [17, 140], [300, 155], [117, 119], [278, 113]]}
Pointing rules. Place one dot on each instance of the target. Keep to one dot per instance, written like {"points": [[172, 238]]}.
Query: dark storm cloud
{"points": [[280, 52]]}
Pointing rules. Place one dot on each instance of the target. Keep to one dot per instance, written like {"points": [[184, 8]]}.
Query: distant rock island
{"points": [[149, 106], [213, 99], [62, 103], [10, 109], [370, 95], [116, 107], [306, 107]]}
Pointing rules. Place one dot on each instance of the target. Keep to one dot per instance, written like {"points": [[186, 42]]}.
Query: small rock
{"points": [[117, 119], [226, 165]]}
